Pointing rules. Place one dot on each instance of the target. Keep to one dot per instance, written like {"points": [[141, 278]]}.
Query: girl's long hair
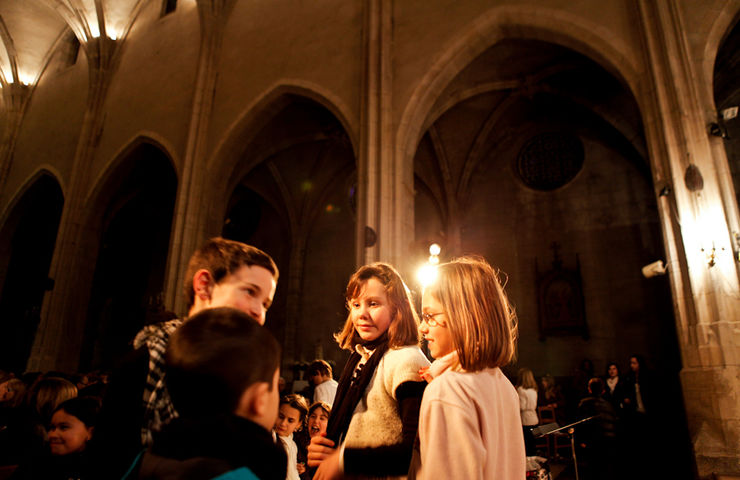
{"points": [[404, 327]]}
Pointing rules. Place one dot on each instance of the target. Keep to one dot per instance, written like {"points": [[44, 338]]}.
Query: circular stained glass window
{"points": [[550, 160]]}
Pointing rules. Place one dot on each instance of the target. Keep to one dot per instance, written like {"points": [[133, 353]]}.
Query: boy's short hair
{"points": [[214, 357], [596, 386], [321, 367], [223, 257]]}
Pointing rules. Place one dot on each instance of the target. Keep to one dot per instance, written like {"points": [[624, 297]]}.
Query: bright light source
{"points": [[435, 249], [433, 260], [426, 275]]}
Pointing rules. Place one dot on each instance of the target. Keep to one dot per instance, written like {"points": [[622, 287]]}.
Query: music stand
{"points": [[550, 428]]}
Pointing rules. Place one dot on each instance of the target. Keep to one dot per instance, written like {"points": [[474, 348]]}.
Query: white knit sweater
{"points": [[376, 421]]}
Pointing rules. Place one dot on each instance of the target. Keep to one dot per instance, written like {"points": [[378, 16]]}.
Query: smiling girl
{"points": [[469, 425], [291, 414], [374, 419]]}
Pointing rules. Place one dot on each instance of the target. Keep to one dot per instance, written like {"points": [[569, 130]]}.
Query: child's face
{"points": [[67, 434], [371, 311], [249, 289], [317, 422], [289, 419], [438, 337]]}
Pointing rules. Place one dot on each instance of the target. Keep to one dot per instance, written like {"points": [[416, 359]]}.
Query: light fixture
{"points": [[428, 272]]}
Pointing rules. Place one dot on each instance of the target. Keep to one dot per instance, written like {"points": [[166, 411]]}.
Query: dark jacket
{"points": [[203, 449], [74, 466]]}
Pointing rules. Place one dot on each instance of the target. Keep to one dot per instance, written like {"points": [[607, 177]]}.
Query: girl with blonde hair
{"points": [[375, 414], [526, 388], [469, 423]]}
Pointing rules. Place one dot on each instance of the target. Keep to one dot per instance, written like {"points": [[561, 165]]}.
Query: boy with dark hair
{"points": [[325, 387], [222, 375], [221, 273]]}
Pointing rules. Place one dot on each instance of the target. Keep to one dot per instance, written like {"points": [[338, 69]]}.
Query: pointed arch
{"points": [[512, 22]]}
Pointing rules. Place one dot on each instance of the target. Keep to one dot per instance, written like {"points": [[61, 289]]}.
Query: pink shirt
{"points": [[470, 428]]}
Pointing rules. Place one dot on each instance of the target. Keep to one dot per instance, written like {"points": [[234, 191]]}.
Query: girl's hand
{"points": [[301, 468], [319, 450], [329, 468]]}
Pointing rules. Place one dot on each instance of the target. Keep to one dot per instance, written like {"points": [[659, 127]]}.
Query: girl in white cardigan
{"points": [[469, 424], [375, 414]]}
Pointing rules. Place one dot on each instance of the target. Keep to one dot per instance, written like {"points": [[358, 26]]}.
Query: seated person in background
{"points": [[319, 373], [222, 374], [291, 417]]}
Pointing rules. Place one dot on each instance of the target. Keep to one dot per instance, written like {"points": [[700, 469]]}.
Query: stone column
{"points": [[189, 229], [697, 226], [59, 335], [380, 209], [16, 97]]}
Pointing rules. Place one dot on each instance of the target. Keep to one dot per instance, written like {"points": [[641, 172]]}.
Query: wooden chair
{"points": [[555, 442]]}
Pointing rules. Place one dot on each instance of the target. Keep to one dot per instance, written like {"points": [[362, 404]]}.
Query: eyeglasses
{"points": [[429, 319]]}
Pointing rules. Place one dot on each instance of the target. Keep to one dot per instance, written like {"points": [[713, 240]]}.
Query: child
{"points": [[221, 273], [526, 388], [222, 375], [291, 415], [469, 425], [318, 418], [375, 413], [70, 430], [325, 387]]}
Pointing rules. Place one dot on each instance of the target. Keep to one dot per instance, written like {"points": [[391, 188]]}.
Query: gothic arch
{"points": [[242, 130], [27, 240], [499, 23], [718, 32], [41, 170]]}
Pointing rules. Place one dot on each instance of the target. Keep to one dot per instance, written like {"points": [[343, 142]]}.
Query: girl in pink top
{"points": [[469, 423]]}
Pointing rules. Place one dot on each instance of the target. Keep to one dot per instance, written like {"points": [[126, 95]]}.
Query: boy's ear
{"points": [[203, 284], [254, 404]]}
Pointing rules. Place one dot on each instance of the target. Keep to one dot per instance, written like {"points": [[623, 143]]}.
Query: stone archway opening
{"points": [[535, 157], [293, 200], [727, 100], [136, 210], [27, 244]]}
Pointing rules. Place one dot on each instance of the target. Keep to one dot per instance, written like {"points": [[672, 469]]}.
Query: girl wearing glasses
{"points": [[375, 414], [469, 424]]}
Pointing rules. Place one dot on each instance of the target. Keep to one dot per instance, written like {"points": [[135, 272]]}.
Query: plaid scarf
{"points": [[158, 408]]}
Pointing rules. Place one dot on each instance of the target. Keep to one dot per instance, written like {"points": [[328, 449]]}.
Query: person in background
{"points": [[614, 392], [71, 428], [291, 418], [597, 438], [526, 388], [325, 387]]}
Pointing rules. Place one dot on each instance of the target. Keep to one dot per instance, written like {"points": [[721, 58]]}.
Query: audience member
{"points": [[325, 387], [222, 376], [552, 395], [526, 388], [70, 429], [220, 273], [377, 403], [597, 437], [291, 418], [614, 392], [469, 406]]}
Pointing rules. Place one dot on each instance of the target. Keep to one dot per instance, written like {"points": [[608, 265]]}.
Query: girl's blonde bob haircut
{"points": [[481, 320], [404, 327]]}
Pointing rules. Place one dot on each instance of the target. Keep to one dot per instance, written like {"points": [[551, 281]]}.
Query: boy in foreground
{"points": [[222, 375]]}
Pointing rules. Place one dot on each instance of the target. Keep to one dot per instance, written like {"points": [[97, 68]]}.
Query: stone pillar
{"points": [[377, 172], [16, 97], [59, 336], [189, 229], [697, 225]]}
